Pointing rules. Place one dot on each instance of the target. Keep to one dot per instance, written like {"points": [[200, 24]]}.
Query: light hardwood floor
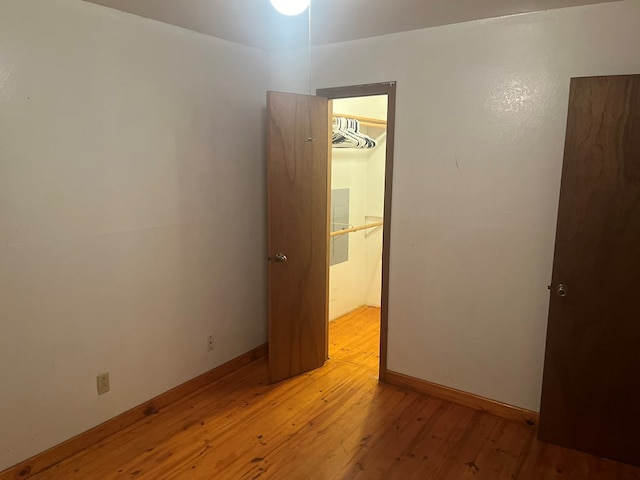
{"points": [[337, 422]]}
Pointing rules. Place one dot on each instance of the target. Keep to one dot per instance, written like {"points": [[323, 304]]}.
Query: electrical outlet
{"points": [[210, 345], [103, 383]]}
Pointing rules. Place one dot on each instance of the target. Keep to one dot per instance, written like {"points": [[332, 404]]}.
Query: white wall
{"points": [[481, 112], [375, 211], [346, 286], [132, 213], [357, 281]]}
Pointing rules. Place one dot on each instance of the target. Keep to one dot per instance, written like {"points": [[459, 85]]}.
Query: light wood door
{"points": [[298, 175], [591, 386]]}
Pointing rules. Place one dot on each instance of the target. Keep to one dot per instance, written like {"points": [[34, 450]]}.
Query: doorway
{"points": [[360, 207], [299, 197]]}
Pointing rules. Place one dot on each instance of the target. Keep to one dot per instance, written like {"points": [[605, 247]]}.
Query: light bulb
{"points": [[290, 7]]}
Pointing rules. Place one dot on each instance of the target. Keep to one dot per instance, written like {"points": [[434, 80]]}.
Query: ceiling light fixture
{"points": [[290, 7]]}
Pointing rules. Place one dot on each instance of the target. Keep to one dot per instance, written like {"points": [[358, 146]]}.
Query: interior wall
{"points": [[357, 281], [375, 209], [346, 286], [132, 213], [480, 124]]}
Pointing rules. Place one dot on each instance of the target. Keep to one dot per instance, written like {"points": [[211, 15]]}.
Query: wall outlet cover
{"points": [[103, 383]]}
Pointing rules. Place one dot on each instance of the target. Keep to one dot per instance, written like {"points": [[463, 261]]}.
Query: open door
{"points": [[591, 388], [298, 177]]}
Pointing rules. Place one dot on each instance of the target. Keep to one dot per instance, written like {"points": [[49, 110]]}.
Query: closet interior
{"points": [[357, 203]]}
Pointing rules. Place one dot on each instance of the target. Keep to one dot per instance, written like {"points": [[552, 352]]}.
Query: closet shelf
{"points": [[366, 121], [356, 229]]}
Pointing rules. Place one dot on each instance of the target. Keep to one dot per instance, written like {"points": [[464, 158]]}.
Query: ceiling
{"points": [[255, 23]]}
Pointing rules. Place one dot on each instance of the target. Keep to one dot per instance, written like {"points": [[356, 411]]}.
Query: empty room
{"points": [[322, 239]]}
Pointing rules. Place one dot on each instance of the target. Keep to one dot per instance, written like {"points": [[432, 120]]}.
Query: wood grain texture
{"points": [[334, 423], [590, 389], [463, 398], [388, 89], [298, 176], [154, 406]]}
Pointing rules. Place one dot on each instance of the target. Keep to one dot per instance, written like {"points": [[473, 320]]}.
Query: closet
{"points": [[313, 278], [357, 203]]}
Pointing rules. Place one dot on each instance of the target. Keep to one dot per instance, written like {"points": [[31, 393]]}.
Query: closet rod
{"points": [[366, 121], [356, 229]]}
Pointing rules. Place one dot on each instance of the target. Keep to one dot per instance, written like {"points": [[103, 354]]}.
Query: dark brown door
{"points": [[591, 386], [298, 175]]}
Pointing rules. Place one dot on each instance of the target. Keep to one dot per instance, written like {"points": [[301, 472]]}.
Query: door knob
{"points": [[281, 257], [562, 290]]}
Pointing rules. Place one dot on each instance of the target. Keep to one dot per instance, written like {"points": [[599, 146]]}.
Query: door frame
{"points": [[367, 90]]}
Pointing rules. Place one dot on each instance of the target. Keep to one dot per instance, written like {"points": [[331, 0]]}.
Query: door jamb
{"points": [[389, 89]]}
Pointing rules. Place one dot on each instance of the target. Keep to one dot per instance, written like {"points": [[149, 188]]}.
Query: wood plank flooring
{"points": [[334, 423]]}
